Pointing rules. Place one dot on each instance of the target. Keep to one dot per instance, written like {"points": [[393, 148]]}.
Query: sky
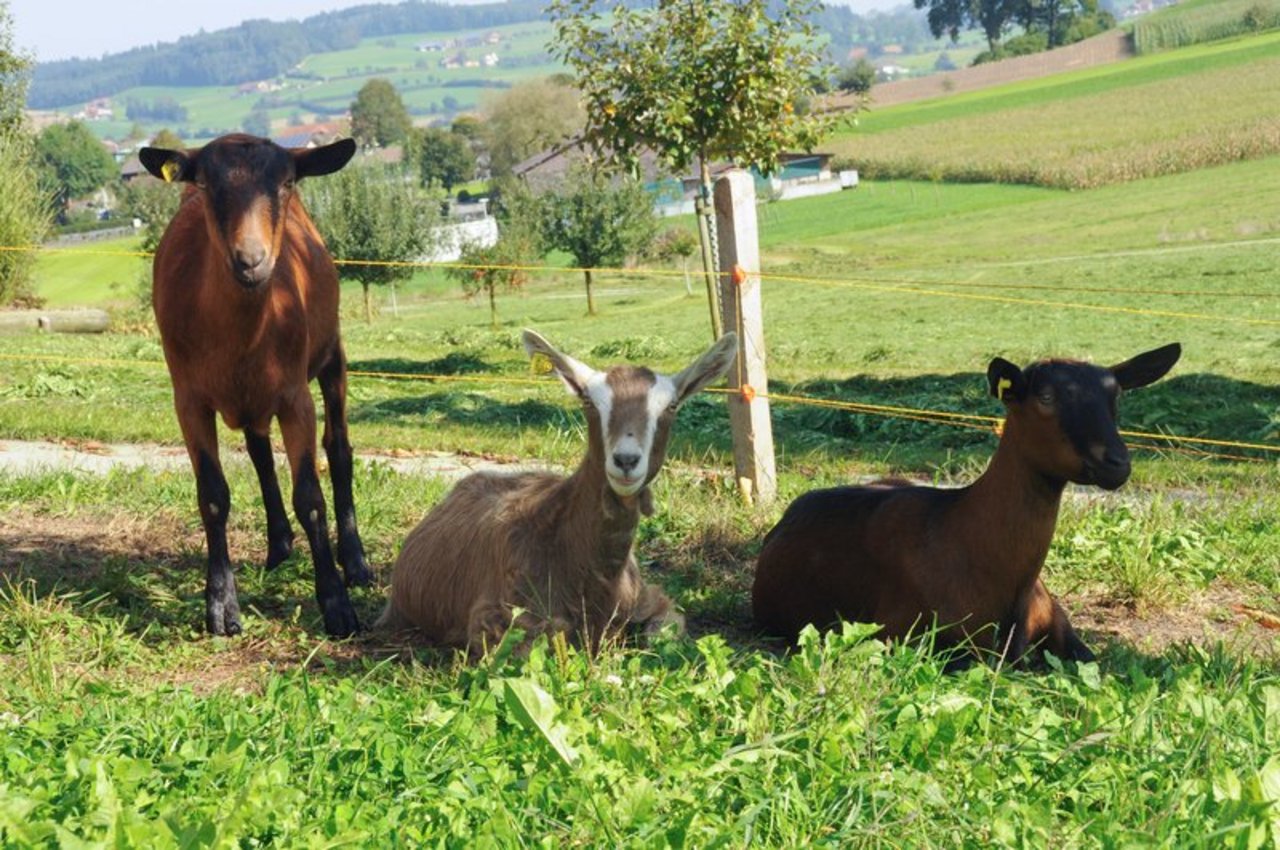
{"points": [[52, 29]]}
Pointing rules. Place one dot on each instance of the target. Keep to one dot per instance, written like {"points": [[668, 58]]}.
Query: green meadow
{"points": [[123, 725]]}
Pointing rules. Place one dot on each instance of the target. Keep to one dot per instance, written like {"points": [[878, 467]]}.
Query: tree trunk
{"points": [[395, 308], [707, 235], [591, 299], [688, 286], [368, 303]]}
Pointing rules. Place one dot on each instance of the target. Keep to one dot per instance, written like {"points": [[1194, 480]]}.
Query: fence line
{"points": [[972, 421], [867, 284]]}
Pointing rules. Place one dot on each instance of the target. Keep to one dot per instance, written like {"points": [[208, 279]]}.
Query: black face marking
{"points": [[1082, 397], [238, 174]]}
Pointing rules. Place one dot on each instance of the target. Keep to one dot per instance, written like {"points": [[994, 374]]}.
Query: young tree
{"points": [[696, 82], [73, 162], [444, 158], [597, 222], [369, 213], [527, 118], [378, 115], [857, 78], [496, 268], [152, 202], [676, 243]]}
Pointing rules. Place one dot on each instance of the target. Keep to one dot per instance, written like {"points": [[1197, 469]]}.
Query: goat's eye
{"points": [[1045, 398], [673, 407], [287, 186]]}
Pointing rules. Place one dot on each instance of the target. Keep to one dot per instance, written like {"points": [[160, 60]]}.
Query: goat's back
{"points": [[461, 552], [852, 553]]}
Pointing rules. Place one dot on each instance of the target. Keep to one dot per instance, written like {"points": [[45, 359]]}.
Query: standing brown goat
{"points": [[904, 556], [246, 298], [558, 548]]}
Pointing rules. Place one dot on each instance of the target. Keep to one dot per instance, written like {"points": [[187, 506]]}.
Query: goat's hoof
{"points": [[358, 573], [339, 618], [223, 619], [279, 552]]}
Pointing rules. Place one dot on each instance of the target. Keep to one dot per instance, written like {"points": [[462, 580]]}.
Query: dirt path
{"points": [[25, 457]]}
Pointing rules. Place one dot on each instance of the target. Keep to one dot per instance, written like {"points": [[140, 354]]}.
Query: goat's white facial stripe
{"points": [[631, 440]]}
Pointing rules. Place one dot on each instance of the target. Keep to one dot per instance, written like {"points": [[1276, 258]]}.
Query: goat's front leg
{"points": [[298, 426], [279, 535], [655, 611], [1047, 624], [200, 432]]}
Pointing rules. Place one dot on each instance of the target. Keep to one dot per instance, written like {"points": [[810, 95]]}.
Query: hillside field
{"points": [[124, 725], [1089, 128]]}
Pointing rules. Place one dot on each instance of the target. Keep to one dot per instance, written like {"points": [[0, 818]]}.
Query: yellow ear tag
{"points": [[1002, 385], [540, 364], [999, 429], [170, 170]]}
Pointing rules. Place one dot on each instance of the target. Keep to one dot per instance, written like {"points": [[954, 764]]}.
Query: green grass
{"points": [[1113, 124], [123, 726], [96, 274]]}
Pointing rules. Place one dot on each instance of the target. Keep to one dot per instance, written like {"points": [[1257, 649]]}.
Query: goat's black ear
{"points": [[573, 373], [326, 159], [168, 165], [710, 365], [1005, 380], [1148, 367]]}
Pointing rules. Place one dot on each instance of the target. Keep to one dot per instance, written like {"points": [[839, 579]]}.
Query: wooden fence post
{"points": [[740, 310]]}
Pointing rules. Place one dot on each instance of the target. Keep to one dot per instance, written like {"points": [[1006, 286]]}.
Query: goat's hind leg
{"points": [[337, 445], [298, 425], [199, 431], [279, 533]]}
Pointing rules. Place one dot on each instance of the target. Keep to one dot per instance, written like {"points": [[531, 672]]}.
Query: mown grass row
{"points": [[1117, 135], [1197, 23]]}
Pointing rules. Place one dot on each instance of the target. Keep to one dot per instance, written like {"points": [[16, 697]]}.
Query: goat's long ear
{"points": [[1005, 380], [713, 363], [169, 165], [1148, 367], [575, 374], [326, 159]]}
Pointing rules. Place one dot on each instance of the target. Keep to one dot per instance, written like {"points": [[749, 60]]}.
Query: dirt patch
{"points": [[1215, 613]]}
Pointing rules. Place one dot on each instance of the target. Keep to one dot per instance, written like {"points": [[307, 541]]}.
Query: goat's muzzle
{"points": [[1111, 471]]}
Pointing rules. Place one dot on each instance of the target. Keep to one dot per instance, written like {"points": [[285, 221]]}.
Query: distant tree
{"points": [[168, 140], [153, 203], [500, 267], [136, 133], [695, 82], [677, 243], [469, 127], [444, 158], [857, 78], [944, 62], [25, 214], [527, 118], [951, 16], [378, 115], [371, 213], [73, 162], [15, 74], [597, 222], [258, 123]]}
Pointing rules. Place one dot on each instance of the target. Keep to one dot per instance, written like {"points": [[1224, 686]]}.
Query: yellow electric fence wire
{"points": [[939, 417]]}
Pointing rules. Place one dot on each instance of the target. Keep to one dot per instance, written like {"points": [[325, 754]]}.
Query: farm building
{"points": [[800, 175]]}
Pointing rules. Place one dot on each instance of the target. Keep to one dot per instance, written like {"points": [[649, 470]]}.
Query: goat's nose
{"points": [[249, 257], [626, 461]]}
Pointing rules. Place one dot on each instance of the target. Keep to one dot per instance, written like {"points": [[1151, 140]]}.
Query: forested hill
{"points": [[256, 50], [261, 49]]}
